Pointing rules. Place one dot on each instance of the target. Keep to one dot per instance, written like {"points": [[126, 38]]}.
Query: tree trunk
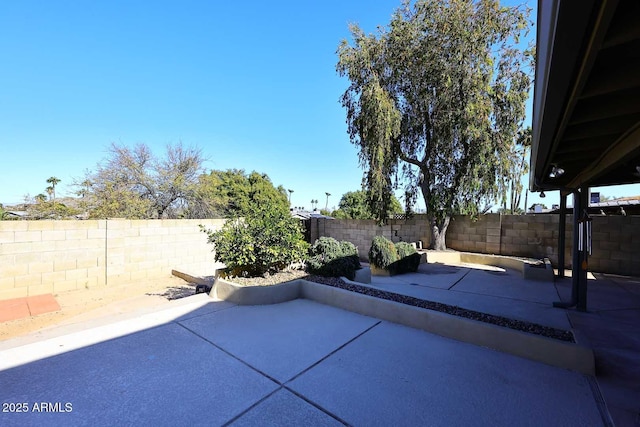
{"points": [[438, 227], [438, 234]]}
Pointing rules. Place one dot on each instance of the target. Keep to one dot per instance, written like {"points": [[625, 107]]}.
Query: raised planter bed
{"points": [[530, 270], [363, 275], [375, 271], [255, 295]]}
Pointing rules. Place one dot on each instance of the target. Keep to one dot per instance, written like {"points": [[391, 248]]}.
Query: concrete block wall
{"points": [[38, 257], [536, 236], [532, 236], [474, 235], [357, 232], [361, 232], [616, 239], [616, 245]]}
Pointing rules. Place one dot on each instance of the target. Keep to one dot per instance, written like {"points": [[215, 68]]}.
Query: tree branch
{"points": [[411, 160]]}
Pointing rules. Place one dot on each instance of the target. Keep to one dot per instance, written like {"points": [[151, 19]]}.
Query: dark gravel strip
{"points": [[518, 325]]}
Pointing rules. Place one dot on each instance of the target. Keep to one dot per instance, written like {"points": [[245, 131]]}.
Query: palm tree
{"points": [[50, 191], [86, 185], [327, 204], [290, 191], [53, 181]]}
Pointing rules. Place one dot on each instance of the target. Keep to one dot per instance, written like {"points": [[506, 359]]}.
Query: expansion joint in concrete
{"points": [[459, 280], [315, 405], [258, 402], [333, 352], [231, 354]]}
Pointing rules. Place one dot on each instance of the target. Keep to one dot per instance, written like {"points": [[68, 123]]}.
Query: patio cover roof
{"points": [[586, 110]]}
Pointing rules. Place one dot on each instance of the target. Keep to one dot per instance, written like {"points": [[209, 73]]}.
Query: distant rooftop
{"points": [[305, 214], [621, 206]]}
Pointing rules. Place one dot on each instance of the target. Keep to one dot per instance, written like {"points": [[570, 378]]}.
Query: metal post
{"points": [[562, 228], [575, 253], [583, 265], [576, 258]]}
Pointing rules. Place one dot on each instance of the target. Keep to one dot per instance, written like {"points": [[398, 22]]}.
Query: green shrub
{"points": [[328, 257], [348, 248], [382, 253], [266, 240], [404, 249], [408, 258], [396, 259], [327, 247], [350, 251]]}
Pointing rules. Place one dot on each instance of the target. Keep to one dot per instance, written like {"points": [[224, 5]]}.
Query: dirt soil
{"points": [[86, 304]]}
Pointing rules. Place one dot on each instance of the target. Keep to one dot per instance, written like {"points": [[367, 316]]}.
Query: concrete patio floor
{"points": [[482, 288], [611, 327], [204, 362]]}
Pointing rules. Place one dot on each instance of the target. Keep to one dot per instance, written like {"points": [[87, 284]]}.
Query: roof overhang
{"points": [[586, 107]]}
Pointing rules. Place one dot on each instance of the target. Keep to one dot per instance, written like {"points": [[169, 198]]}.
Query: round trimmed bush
{"points": [[331, 258], [350, 251], [382, 253], [408, 258], [405, 249]]}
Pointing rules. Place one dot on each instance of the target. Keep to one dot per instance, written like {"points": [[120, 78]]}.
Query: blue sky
{"points": [[252, 84]]}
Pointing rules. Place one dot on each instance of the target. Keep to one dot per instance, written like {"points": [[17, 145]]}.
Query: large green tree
{"points": [[233, 192], [438, 97], [354, 205], [519, 167]]}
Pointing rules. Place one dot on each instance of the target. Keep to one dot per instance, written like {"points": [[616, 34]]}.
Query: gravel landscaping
{"points": [[518, 325]]}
